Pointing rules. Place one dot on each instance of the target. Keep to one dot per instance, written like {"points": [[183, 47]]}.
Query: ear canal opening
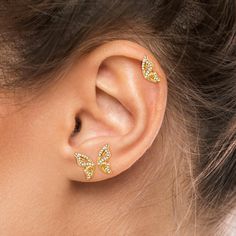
{"points": [[78, 126]]}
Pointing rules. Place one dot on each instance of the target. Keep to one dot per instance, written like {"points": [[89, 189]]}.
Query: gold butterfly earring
{"points": [[103, 157], [147, 69], [86, 163]]}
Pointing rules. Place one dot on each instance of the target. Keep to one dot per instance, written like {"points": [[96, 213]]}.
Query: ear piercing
{"points": [[147, 69], [89, 166]]}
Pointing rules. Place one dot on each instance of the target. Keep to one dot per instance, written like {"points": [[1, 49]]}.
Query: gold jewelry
{"points": [[86, 163], [103, 156], [147, 69]]}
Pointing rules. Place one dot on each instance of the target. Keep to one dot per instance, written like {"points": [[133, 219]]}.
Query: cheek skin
{"points": [[31, 144], [27, 133]]}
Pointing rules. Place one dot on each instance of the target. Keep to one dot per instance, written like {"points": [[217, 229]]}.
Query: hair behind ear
{"points": [[219, 171]]}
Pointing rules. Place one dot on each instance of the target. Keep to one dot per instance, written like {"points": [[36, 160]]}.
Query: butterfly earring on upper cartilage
{"points": [[147, 70], [104, 156], [87, 165]]}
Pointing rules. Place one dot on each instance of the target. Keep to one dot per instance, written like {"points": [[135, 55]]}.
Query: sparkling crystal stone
{"points": [[153, 77], [89, 171]]}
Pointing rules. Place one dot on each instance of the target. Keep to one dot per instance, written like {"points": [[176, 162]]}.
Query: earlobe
{"points": [[125, 110]]}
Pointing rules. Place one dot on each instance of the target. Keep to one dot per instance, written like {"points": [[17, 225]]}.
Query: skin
{"points": [[44, 192]]}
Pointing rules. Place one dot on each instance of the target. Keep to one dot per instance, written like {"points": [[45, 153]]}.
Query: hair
{"points": [[194, 42]]}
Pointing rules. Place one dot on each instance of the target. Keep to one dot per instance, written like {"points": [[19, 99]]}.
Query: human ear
{"points": [[116, 105]]}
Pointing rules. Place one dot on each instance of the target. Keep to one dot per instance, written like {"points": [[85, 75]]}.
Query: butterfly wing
{"points": [[103, 157], [153, 77], [87, 164], [146, 67]]}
